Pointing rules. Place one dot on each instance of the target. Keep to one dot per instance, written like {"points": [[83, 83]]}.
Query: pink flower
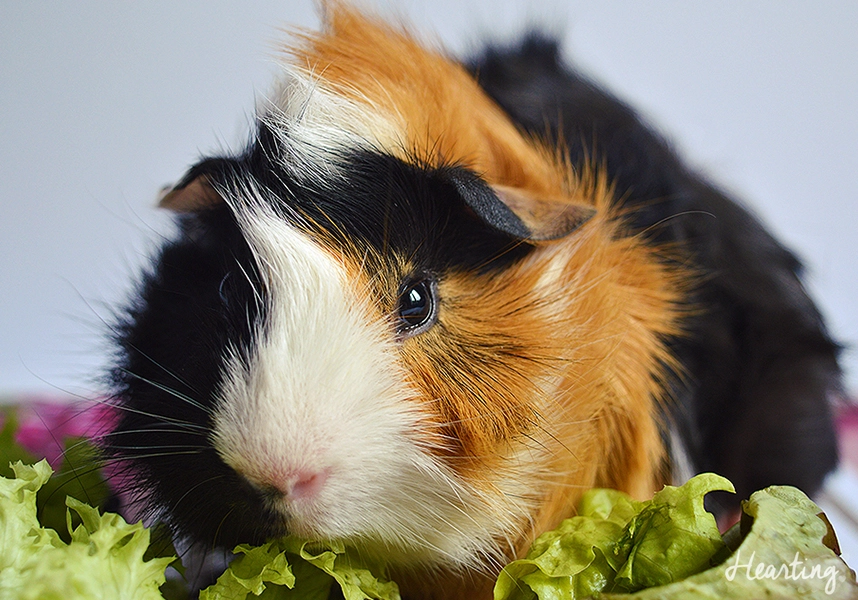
{"points": [[43, 426]]}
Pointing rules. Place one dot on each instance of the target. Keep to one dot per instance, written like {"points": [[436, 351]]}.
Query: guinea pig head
{"points": [[394, 320]]}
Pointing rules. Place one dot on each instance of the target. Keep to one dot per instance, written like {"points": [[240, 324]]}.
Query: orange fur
{"points": [[441, 112], [548, 375]]}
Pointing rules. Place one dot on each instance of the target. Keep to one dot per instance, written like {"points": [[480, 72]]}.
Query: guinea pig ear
{"points": [[545, 218], [194, 196], [519, 212], [195, 191]]}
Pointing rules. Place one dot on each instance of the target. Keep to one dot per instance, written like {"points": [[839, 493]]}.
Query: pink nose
{"points": [[291, 485], [305, 484]]}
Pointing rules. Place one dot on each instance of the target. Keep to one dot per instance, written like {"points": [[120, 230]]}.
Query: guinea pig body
{"points": [[402, 321], [759, 370]]}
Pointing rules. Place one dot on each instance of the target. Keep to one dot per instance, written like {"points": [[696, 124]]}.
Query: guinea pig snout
{"points": [[304, 484]]}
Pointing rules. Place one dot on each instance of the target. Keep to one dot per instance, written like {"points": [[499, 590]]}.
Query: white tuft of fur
{"points": [[324, 391], [317, 126]]}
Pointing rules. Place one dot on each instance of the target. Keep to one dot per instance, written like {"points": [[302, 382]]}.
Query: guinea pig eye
{"points": [[417, 307]]}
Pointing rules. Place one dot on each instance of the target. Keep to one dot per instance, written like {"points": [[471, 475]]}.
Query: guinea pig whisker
{"points": [[183, 425], [193, 487], [98, 462], [120, 459], [87, 497], [220, 525], [141, 430], [669, 218], [162, 367], [160, 447], [169, 390], [83, 442], [510, 528], [75, 475], [256, 295], [510, 248], [564, 447], [536, 441]]}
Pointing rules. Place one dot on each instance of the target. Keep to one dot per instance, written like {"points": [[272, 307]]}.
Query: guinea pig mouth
{"points": [[238, 513]]}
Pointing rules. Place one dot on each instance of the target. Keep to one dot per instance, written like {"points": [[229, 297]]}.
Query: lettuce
{"points": [[107, 558], [104, 558], [672, 536], [314, 569], [669, 547], [617, 544], [79, 474], [54, 546], [783, 547]]}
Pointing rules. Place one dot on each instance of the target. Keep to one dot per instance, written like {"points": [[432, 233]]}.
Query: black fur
{"points": [[423, 214], [754, 403], [195, 301]]}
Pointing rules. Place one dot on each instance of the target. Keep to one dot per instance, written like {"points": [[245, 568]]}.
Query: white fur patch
{"points": [[316, 125], [324, 392]]}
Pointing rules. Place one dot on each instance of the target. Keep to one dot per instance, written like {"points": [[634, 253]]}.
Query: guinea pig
{"points": [[433, 302]]}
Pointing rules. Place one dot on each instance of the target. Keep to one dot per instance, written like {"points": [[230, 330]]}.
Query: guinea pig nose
{"points": [[306, 484], [289, 485]]}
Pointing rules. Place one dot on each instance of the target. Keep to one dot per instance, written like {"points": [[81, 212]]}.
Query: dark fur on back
{"points": [[754, 403]]}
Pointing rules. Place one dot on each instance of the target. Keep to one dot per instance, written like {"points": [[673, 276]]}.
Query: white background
{"points": [[102, 103]]}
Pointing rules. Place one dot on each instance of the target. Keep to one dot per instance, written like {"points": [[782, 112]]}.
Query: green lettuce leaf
{"points": [[617, 544], [670, 547], [672, 537], [576, 559], [783, 547], [104, 558], [571, 562], [292, 568], [22, 540]]}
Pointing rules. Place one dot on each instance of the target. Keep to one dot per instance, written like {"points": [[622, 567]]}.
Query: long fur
{"points": [[759, 369], [264, 341]]}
